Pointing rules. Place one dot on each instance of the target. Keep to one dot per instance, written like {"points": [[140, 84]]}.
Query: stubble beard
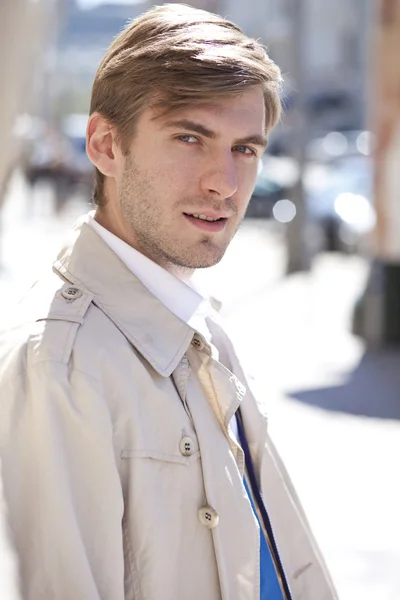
{"points": [[139, 204]]}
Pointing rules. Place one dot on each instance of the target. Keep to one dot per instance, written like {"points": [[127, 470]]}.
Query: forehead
{"points": [[242, 114]]}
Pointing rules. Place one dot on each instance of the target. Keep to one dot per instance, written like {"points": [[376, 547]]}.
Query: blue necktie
{"points": [[270, 588], [269, 584]]}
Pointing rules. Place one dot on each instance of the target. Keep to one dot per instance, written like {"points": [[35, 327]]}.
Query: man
{"points": [[136, 462]]}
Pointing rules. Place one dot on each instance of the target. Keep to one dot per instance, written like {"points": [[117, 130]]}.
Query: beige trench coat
{"points": [[115, 444]]}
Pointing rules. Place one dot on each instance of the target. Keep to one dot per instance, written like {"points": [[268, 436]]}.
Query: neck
{"points": [[117, 227], [181, 273]]}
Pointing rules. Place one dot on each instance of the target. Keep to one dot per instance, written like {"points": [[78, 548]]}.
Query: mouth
{"points": [[206, 222]]}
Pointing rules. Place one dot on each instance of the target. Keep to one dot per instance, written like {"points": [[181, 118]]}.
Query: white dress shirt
{"points": [[177, 295]]}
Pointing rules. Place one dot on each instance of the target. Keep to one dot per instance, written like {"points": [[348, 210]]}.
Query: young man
{"points": [[136, 462]]}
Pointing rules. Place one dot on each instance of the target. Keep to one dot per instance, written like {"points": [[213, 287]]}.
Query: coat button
{"points": [[197, 342], [208, 517], [71, 293], [186, 446]]}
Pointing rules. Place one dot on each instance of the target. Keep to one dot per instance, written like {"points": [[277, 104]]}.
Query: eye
{"points": [[245, 150], [188, 139]]}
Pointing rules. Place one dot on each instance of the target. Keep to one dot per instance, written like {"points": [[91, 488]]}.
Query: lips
{"points": [[216, 224], [206, 215]]}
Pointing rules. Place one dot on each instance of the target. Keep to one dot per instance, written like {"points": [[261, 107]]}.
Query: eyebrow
{"points": [[256, 139]]}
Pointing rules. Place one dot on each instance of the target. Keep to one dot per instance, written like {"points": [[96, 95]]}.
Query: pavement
{"points": [[333, 404]]}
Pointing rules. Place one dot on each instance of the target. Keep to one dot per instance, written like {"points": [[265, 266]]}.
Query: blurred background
{"points": [[310, 286]]}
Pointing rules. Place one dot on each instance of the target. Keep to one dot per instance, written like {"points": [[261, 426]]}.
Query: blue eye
{"points": [[189, 139], [244, 150]]}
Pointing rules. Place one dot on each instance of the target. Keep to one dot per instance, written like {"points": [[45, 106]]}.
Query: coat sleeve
{"points": [[8, 566], [61, 485]]}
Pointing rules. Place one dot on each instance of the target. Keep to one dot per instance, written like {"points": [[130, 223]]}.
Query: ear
{"points": [[100, 145]]}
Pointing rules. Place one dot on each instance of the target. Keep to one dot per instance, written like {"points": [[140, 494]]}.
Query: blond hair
{"points": [[174, 56]]}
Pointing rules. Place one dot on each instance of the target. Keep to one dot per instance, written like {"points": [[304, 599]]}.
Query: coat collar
{"points": [[87, 261]]}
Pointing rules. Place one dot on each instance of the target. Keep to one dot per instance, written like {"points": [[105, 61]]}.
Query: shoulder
{"points": [[43, 326]]}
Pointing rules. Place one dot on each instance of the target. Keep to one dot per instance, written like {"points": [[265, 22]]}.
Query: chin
{"points": [[199, 256], [207, 261]]}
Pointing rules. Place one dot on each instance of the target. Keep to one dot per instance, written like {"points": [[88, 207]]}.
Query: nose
{"points": [[220, 177]]}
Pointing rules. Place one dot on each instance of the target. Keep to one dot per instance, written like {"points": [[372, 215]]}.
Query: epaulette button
{"points": [[71, 293]]}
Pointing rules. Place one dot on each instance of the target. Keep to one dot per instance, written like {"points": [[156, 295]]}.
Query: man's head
{"points": [[181, 106]]}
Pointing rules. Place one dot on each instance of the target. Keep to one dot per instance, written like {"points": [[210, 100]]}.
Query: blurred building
{"points": [[210, 5], [25, 28], [378, 314], [83, 38], [334, 35]]}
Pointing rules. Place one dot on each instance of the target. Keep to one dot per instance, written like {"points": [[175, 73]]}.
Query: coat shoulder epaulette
{"points": [[48, 318]]}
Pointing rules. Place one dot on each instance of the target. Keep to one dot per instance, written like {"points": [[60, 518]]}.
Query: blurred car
{"points": [[267, 192], [332, 145], [339, 206], [58, 156], [323, 146], [342, 204], [79, 166]]}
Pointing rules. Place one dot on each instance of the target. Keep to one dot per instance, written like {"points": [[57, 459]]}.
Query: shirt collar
{"points": [[157, 332], [179, 297]]}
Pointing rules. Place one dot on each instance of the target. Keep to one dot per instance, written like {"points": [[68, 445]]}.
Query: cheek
{"points": [[177, 176]]}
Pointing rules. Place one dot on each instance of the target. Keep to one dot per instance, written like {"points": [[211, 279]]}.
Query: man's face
{"points": [[182, 168]]}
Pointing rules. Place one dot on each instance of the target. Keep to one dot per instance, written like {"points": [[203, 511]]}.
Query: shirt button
{"points": [[208, 517], [197, 342], [71, 293], [186, 446]]}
